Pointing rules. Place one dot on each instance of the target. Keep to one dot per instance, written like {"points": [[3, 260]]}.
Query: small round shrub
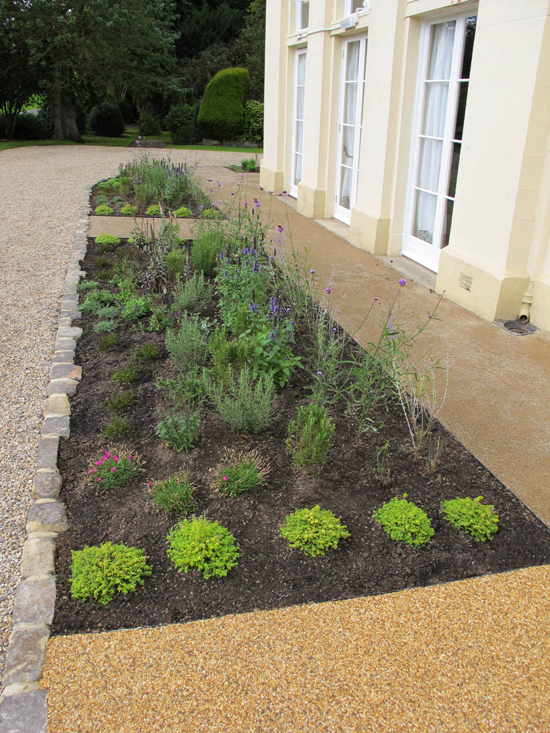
{"points": [[108, 343], [175, 494], [403, 521], [204, 546], [479, 520], [102, 572], [117, 403], [108, 311], [211, 214], [176, 263], [114, 470], [114, 184], [105, 327], [126, 374], [239, 472], [206, 250], [104, 210], [179, 121], [119, 199], [183, 213], [106, 120], [102, 200], [310, 435], [86, 285], [148, 125], [153, 210], [102, 262], [147, 352], [118, 427], [313, 531], [129, 210], [179, 431]]}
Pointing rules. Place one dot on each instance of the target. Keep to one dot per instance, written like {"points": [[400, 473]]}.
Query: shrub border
{"points": [[23, 705]]}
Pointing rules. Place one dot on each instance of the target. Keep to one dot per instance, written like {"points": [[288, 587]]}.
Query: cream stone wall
{"points": [[497, 263]]}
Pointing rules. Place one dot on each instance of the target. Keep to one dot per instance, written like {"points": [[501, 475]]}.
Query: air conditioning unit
{"points": [[350, 22]]}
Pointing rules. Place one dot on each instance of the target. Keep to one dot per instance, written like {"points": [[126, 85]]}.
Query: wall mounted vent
{"points": [[465, 281]]}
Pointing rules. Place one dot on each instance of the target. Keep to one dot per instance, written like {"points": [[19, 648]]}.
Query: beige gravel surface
{"points": [[467, 656], [40, 197]]}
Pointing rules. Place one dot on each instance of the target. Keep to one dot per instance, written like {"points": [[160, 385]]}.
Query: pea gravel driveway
{"points": [[40, 197]]}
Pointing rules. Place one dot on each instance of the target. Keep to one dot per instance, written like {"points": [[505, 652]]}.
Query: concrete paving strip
{"points": [[467, 656]]}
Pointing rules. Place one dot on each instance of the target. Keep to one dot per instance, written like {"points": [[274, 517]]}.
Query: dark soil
{"points": [[270, 574], [129, 198]]}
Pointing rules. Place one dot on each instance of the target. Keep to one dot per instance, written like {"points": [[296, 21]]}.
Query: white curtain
{"points": [[433, 126]]}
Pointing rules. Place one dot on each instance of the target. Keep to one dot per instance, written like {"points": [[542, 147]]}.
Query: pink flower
{"points": [[235, 464], [113, 469], [97, 463], [107, 455], [150, 483], [225, 478], [115, 458], [99, 479], [95, 470], [90, 471]]}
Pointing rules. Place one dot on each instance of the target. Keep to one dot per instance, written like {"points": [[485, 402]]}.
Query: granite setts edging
{"points": [[23, 707]]}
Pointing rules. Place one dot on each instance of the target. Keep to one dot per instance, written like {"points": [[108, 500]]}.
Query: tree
{"points": [[249, 48]]}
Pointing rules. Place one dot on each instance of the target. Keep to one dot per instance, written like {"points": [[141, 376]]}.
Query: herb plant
{"points": [[126, 374], [114, 470], [193, 295], [187, 346], [479, 520], [403, 521], [239, 472], [244, 404], [309, 435], [103, 572], [104, 210], [313, 531], [202, 545], [147, 352], [161, 318], [153, 210], [117, 403], [118, 427], [107, 239], [183, 213], [129, 210], [180, 431], [205, 251], [107, 343], [175, 494], [105, 326]]}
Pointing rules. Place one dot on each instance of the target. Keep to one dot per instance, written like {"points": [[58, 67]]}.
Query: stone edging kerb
{"points": [[23, 708]]}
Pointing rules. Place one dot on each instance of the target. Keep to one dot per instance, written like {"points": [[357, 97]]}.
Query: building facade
{"points": [[425, 126]]}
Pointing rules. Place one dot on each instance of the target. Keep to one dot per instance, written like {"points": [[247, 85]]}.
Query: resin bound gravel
{"points": [[40, 197], [468, 656]]}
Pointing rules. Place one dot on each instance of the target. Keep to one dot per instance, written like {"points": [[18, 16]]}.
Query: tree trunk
{"points": [[64, 118]]}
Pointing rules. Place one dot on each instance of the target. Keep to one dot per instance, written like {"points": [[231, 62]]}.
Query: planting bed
{"points": [[270, 573]]}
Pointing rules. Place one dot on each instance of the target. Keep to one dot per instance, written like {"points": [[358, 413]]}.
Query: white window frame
{"points": [[293, 188], [340, 212], [413, 247], [300, 28], [349, 6]]}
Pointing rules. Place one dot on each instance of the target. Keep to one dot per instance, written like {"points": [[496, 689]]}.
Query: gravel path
{"points": [[467, 656], [40, 197]]}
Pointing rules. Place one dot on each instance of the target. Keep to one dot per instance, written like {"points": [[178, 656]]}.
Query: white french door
{"points": [[352, 94], [440, 106], [298, 117]]}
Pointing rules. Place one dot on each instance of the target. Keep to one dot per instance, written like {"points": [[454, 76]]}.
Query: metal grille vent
{"points": [[465, 281]]}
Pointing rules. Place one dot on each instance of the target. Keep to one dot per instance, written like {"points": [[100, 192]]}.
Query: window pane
{"points": [[468, 47], [424, 216], [441, 50], [447, 223], [455, 158], [348, 140], [302, 69], [429, 165], [300, 103], [345, 187], [435, 109], [299, 148], [297, 169], [350, 103], [356, 5], [461, 110], [305, 14], [352, 61]]}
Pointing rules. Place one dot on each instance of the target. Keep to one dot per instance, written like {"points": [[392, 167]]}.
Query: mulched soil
{"points": [[129, 198], [270, 574]]}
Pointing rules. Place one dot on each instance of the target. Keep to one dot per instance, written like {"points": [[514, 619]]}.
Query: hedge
{"points": [[221, 115]]}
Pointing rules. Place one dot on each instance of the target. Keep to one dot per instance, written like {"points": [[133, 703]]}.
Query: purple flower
{"points": [[312, 271], [272, 335], [376, 298], [209, 180], [402, 282], [328, 290], [280, 228], [320, 374]]}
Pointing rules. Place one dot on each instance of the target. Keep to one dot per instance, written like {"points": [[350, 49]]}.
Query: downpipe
{"points": [[525, 310]]}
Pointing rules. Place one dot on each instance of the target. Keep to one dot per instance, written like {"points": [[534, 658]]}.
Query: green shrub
{"points": [[177, 264], [211, 214], [309, 435], [102, 572], [103, 187], [204, 546], [126, 374], [153, 210], [136, 307], [403, 521], [108, 311], [239, 472], [206, 250], [119, 199], [105, 326], [183, 213], [102, 262], [104, 210], [242, 404], [187, 390], [102, 200], [86, 285], [313, 531], [161, 318], [179, 121], [106, 120], [117, 403], [180, 431], [114, 184], [117, 427], [114, 470], [107, 239], [221, 114], [104, 249], [148, 125], [107, 343], [250, 164], [253, 127], [28, 127], [96, 300], [124, 184], [193, 295], [187, 346], [105, 274], [129, 210], [175, 494], [479, 520], [147, 352], [229, 355]]}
